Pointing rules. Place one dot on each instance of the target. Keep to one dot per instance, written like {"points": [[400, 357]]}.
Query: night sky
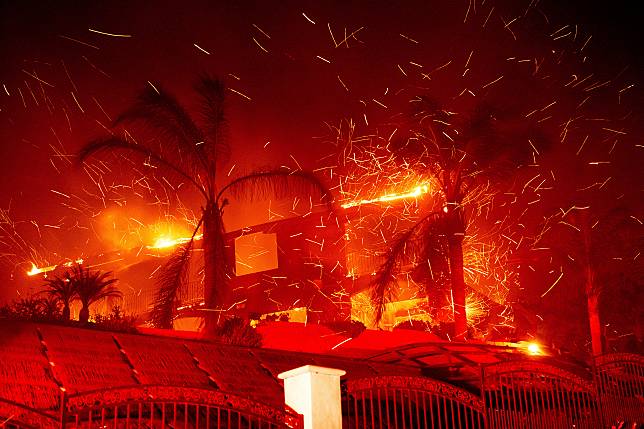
{"points": [[63, 82]]}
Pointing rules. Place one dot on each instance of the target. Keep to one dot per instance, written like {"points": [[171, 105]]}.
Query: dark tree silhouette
{"points": [[91, 287], [597, 247], [194, 150], [461, 152], [61, 288]]}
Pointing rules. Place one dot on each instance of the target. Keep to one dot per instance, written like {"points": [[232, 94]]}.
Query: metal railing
{"points": [[514, 394], [619, 379], [156, 406], [140, 302], [409, 402], [17, 416], [533, 394]]}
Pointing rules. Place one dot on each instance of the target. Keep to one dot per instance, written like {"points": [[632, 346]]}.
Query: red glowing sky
{"points": [[270, 52]]}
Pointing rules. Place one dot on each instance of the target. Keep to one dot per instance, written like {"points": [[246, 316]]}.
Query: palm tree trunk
{"points": [[83, 315], [66, 312], [592, 291], [215, 267], [455, 249], [593, 313]]}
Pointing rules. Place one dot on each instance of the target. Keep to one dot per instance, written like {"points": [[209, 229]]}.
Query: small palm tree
{"points": [[61, 288], [91, 287], [194, 150], [461, 153]]}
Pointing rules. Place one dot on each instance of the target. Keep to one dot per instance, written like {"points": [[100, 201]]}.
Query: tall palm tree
{"points": [[194, 150], [91, 287], [460, 152], [597, 247], [61, 287]]}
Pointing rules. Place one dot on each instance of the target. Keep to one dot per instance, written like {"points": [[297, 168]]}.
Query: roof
{"points": [[40, 360]]}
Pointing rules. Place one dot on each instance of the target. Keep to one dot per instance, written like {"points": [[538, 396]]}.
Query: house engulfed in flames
{"points": [[316, 267]]}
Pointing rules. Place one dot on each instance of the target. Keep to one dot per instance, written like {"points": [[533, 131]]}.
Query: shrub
{"points": [[414, 325], [116, 321], [34, 309], [238, 332], [353, 328]]}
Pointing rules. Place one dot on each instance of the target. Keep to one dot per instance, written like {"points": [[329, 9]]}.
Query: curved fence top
{"points": [[491, 373], [24, 416], [615, 358], [111, 397], [421, 384]]}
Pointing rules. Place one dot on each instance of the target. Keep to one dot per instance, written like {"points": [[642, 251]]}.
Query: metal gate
{"points": [[16, 416], [172, 407], [620, 385], [409, 402], [523, 394]]}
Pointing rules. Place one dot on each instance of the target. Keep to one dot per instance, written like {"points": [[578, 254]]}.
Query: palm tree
{"points": [[194, 150], [597, 247], [62, 289], [460, 153], [91, 287]]}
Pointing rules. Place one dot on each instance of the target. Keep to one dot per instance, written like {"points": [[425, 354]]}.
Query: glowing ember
{"points": [[534, 349], [165, 242], [35, 270], [415, 193]]}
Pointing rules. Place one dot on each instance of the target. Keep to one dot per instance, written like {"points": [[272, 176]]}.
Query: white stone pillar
{"points": [[314, 392]]}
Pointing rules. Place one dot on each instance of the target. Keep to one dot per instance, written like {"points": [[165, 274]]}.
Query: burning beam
{"points": [[414, 193], [35, 270], [164, 242]]}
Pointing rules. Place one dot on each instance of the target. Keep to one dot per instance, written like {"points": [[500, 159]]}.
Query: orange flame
{"points": [[414, 193], [164, 242], [35, 270]]}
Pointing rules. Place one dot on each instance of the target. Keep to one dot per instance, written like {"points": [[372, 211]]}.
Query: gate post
{"points": [[63, 409], [314, 392]]}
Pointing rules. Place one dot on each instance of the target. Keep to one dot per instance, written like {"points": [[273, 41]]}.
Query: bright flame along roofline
{"points": [[414, 193], [160, 243], [164, 242], [35, 270]]}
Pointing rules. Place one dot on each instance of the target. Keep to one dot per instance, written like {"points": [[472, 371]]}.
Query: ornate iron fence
{"points": [[522, 394], [16, 416], [515, 394], [619, 379], [140, 302], [172, 407], [409, 402]]}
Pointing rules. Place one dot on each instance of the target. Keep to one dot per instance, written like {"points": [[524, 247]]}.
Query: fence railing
{"points": [[140, 302], [619, 379], [17, 416], [409, 402], [521, 394], [172, 407], [513, 394]]}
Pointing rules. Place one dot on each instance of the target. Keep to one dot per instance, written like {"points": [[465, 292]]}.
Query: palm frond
{"points": [[60, 287], [159, 110], [407, 246], [171, 278], [103, 144], [212, 94], [497, 141], [93, 286], [385, 284], [279, 183]]}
